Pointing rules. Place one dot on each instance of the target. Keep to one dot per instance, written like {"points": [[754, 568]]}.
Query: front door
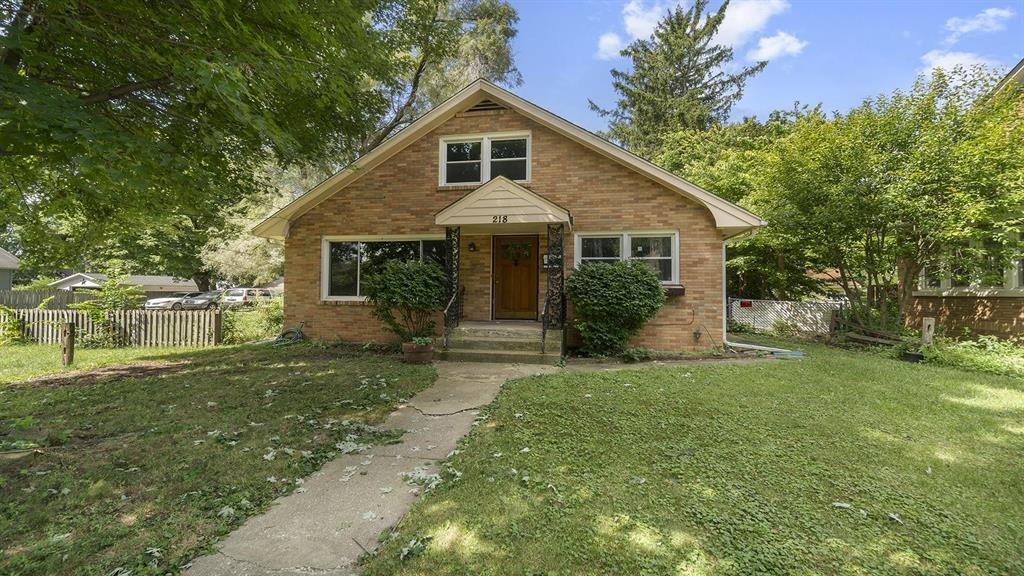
{"points": [[515, 277]]}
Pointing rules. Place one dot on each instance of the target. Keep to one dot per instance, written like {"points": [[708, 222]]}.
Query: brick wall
{"points": [[402, 195], [998, 316]]}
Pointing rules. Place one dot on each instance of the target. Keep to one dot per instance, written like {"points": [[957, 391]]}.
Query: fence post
{"points": [[217, 327], [927, 331], [67, 344]]}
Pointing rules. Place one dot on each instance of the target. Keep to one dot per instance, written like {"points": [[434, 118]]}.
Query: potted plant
{"points": [[407, 297]]}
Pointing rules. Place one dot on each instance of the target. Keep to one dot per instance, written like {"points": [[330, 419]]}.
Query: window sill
{"points": [[472, 186], [353, 302], [967, 292]]}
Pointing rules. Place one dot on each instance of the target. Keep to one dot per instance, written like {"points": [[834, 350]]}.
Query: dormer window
{"points": [[479, 158]]}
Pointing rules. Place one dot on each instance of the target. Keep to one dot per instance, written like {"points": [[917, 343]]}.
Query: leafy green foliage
{"points": [[114, 294], [177, 451], [730, 159], [984, 354], [737, 469], [262, 320], [125, 118], [10, 326], [414, 290], [677, 80], [612, 302]]}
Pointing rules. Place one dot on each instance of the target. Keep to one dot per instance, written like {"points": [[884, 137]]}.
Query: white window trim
{"points": [[624, 246], [325, 259], [1011, 285], [485, 155]]}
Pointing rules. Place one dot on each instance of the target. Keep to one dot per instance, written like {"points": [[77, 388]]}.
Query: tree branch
{"points": [[123, 90], [399, 116]]}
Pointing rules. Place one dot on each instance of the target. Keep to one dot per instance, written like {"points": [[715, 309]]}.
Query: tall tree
{"points": [[678, 80], [123, 115], [730, 159], [901, 182], [446, 44]]}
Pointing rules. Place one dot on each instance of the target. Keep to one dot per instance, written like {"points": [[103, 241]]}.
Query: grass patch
{"points": [[986, 354], [841, 463], [143, 469], [23, 361]]}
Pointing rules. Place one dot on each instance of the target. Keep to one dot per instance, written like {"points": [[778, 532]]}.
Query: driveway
{"points": [[339, 512]]}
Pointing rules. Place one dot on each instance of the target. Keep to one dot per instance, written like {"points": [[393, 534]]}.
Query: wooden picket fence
{"points": [[137, 328], [32, 298]]}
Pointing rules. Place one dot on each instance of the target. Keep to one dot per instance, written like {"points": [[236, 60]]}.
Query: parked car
{"points": [[204, 301], [172, 302], [245, 296]]}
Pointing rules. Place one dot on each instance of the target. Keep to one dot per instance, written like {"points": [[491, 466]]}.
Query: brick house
{"points": [[992, 303], [508, 198]]}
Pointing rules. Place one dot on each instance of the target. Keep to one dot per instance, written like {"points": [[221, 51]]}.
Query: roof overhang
{"points": [[77, 280], [501, 203], [730, 219]]}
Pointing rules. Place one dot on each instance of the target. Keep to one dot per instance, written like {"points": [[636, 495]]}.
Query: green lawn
{"points": [[28, 361], [142, 468], [841, 463]]}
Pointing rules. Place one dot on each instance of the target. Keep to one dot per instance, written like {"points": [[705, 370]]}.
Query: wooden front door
{"points": [[515, 277]]}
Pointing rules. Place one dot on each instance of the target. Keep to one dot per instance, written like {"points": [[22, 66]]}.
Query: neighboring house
{"points": [[508, 198], [153, 286], [8, 264], [993, 304]]}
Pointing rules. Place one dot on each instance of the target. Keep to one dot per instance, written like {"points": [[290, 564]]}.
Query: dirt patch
{"points": [[95, 375]]}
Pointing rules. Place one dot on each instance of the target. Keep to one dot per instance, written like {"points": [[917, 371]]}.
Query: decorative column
{"points": [[451, 237], [556, 274]]}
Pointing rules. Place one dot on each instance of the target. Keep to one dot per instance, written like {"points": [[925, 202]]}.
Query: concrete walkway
{"points": [[352, 499]]}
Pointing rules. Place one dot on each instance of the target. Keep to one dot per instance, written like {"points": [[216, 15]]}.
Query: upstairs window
{"points": [[478, 159]]}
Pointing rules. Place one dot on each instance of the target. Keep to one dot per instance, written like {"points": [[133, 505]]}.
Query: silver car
{"points": [[172, 302], [245, 296]]}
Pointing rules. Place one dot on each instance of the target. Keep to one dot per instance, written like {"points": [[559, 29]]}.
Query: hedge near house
{"points": [[612, 303]]}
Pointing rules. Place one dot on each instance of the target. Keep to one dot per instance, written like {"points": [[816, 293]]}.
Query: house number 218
{"points": [[499, 219]]}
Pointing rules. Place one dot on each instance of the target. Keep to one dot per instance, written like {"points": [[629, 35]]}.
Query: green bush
{"points": [[114, 294], [986, 354], [612, 302], [10, 326], [260, 321], [414, 290]]}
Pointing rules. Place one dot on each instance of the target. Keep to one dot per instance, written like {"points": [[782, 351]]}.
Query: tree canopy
{"points": [[678, 80], [141, 131]]}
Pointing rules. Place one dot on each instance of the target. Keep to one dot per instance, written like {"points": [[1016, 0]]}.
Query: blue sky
{"points": [[836, 52]]}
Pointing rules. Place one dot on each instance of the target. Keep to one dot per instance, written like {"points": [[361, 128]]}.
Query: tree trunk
{"points": [[908, 271]]}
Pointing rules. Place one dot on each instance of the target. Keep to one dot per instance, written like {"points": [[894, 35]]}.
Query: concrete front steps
{"points": [[505, 342]]}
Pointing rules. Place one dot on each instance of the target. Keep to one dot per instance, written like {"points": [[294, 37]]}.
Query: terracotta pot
{"points": [[418, 353]]}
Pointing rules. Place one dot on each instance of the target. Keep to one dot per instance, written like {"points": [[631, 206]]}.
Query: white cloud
{"points": [[744, 18], [988, 20], [640, 20], [608, 46], [947, 60], [772, 47]]}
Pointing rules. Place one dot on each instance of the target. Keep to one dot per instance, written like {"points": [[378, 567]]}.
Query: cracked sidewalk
{"points": [[353, 498]]}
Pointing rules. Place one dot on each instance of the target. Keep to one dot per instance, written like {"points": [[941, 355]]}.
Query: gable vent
{"points": [[486, 106]]}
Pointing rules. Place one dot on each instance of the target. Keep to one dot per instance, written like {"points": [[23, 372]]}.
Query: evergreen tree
{"points": [[679, 80]]}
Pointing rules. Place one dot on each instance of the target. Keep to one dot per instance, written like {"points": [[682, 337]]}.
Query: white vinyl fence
{"points": [[139, 328], [813, 316]]}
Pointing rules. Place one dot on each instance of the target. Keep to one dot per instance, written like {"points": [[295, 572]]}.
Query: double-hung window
{"points": [[347, 262], [659, 250], [479, 158]]}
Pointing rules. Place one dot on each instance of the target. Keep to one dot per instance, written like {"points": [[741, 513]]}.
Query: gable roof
{"points": [[501, 195], [8, 261], [730, 219], [1016, 74], [147, 282]]}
